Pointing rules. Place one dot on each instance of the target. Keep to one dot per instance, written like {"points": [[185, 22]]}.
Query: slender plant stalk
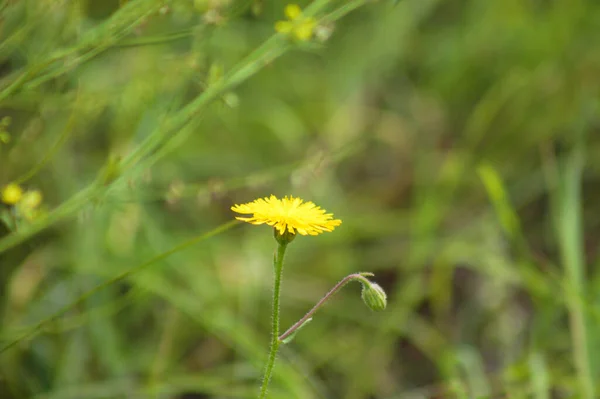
{"points": [[278, 269], [338, 286], [277, 340], [571, 245]]}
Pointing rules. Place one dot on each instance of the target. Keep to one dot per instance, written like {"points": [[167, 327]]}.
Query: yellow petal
{"points": [[304, 30], [293, 11]]}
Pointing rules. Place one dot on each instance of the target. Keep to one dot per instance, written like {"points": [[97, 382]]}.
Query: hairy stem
{"points": [[336, 288], [278, 269]]}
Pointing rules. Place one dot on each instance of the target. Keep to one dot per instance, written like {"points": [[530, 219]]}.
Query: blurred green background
{"points": [[458, 140]]}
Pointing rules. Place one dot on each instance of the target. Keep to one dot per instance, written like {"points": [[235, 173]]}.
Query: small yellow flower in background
{"points": [[26, 203], [299, 26], [29, 204], [11, 194], [288, 214], [31, 199]]}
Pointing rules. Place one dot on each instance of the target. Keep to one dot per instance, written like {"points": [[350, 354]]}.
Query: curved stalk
{"points": [[356, 276]]}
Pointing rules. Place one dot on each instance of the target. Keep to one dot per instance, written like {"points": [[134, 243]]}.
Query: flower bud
{"points": [[11, 194], [374, 296]]}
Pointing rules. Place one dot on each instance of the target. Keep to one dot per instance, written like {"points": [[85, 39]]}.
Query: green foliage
{"points": [[457, 140]]}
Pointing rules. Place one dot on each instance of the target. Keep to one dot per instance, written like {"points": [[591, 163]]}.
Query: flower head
{"points": [[288, 214], [298, 25], [29, 205], [11, 194]]}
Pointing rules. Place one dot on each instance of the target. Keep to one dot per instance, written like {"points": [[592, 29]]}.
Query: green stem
{"points": [[573, 256], [278, 269], [356, 276]]}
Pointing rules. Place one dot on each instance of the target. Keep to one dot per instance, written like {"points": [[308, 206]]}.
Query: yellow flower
{"points": [[26, 203], [291, 214], [301, 27], [31, 199], [293, 11], [11, 194], [29, 204]]}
